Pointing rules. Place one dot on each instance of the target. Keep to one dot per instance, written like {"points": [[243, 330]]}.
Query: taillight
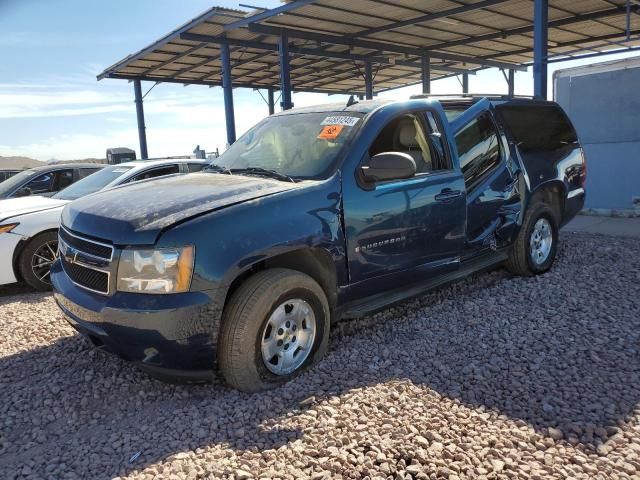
{"points": [[583, 174]]}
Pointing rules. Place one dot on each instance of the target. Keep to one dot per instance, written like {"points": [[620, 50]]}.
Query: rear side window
{"points": [[85, 172], [156, 172], [478, 149], [195, 167], [538, 127]]}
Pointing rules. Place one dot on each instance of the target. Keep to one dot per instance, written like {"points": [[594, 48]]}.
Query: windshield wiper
{"points": [[217, 168], [265, 172]]}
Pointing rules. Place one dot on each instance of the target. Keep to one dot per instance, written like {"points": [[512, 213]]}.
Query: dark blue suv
{"points": [[313, 216]]}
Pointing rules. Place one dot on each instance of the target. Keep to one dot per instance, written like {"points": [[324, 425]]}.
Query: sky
{"points": [[52, 106]]}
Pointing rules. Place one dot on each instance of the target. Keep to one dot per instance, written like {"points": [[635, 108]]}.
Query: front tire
{"points": [[534, 250], [275, 326], [36, 259]]}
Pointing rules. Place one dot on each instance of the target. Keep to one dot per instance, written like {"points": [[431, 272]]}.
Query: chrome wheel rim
{"points": [[541, 241], [42, 260], [287, 338]]}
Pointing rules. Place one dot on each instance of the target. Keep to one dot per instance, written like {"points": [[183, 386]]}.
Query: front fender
{"points": [[231, 241]]}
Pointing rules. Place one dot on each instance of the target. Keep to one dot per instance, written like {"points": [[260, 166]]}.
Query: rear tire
{"points": [[275, 326], [534, 249], [36, 259]]}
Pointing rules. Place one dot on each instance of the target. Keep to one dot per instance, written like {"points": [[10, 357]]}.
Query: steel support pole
{"points": [[227, 87], [465, 83], [271, 101], [512, 82], [142, 132], [426, 74], [285, 72], [368, 81], [540, 47]]}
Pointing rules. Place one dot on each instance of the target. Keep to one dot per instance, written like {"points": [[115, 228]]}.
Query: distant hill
{"points": [[26, 162], [19, 163]]}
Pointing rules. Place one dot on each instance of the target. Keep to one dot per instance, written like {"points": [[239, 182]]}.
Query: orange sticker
{"points": [[330, 132]]}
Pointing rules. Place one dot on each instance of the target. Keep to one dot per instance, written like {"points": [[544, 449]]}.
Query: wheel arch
{"points": [[315, 262], [20, 248], [553, 194]]}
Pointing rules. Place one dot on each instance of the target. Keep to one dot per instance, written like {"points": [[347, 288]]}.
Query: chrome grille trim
{"points": [[85, 239], [63, 247]]}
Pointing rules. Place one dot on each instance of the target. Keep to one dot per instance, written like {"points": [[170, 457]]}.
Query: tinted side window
{"points": [[478, 149], [63, 178], [85, 172], [156, 172], [538, 127], [195, 167], [41, 184]]}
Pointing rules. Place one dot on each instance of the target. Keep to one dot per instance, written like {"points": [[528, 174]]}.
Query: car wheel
{"points": [[534, 250], [36, 259], [275, 326]]}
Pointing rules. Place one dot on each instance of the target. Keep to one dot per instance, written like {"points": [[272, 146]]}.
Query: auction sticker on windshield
{"points": [[330, 132], [340, 120]]}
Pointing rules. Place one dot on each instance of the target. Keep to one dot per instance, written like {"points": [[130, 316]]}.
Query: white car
{"points": [[29, 225]]}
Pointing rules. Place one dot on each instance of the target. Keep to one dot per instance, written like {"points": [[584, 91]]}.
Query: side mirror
{"points": [[389, 166], [22, 192]]}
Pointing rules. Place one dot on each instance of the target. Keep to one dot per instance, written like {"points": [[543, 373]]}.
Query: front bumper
{"points": [[170, 336], [8, 244]]}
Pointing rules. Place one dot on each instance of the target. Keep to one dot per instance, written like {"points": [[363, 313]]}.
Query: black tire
{"points": [[245, 317], [520, 260], [33, 277]]}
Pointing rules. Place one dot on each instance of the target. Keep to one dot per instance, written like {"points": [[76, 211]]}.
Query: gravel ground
{"points": [[494, 377]]}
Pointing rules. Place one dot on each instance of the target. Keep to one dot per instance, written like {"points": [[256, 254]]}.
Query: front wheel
{"points": [[534, 250], [36, 259], [275, 326]]}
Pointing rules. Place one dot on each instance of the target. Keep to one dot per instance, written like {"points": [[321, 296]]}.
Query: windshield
{"points": [[92, 183], [302, 145], [18, 179]]}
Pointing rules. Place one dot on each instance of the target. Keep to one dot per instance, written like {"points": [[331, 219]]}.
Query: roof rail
{"points": [[471, 96]]}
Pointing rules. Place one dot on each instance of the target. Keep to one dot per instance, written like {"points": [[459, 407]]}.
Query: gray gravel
{"points": [[494, 377]]}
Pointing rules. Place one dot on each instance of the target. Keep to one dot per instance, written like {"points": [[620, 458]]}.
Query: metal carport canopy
{"points": [[345, 47]]}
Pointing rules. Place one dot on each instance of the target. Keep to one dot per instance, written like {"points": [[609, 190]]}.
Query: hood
{"points": [[13, 207], [137, 213]]}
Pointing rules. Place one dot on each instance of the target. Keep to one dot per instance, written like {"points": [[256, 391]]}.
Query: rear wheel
{"points": [[36, 259], [275, 326], [534, 250]]}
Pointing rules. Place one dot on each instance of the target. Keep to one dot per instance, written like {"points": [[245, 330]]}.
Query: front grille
{"points": [[87, 246], [88, 278]]}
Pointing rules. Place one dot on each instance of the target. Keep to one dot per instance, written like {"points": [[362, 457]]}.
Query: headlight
{"points": [[8, 227], [165, 270]]}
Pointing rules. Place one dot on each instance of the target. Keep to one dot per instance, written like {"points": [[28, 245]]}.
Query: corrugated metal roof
{"points": [[458, 36]]}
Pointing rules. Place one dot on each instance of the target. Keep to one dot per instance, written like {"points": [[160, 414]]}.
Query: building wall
{"points": [[603, 103]]}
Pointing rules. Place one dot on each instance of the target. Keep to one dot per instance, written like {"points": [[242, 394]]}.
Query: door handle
{"points": [[447, 195]]}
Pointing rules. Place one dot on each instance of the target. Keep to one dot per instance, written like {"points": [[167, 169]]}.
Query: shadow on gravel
{"points": [[556, 351], [15, 289]]}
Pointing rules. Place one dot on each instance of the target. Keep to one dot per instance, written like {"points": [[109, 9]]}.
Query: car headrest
{"points": [[407, 134]]}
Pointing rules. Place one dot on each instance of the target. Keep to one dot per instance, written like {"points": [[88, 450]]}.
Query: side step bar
{"points": [[384, 300]]}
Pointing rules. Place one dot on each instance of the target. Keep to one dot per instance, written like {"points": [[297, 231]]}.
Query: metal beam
{"points": [[271, 101], [227, 86], [379, 46], [540, 47], [288, 7], [285, 72], [426, 74], [530, 28], [142, 133], [368, 81], [512, 83], [428, 17], [252, 86], [465, 83], [319, 52]]}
